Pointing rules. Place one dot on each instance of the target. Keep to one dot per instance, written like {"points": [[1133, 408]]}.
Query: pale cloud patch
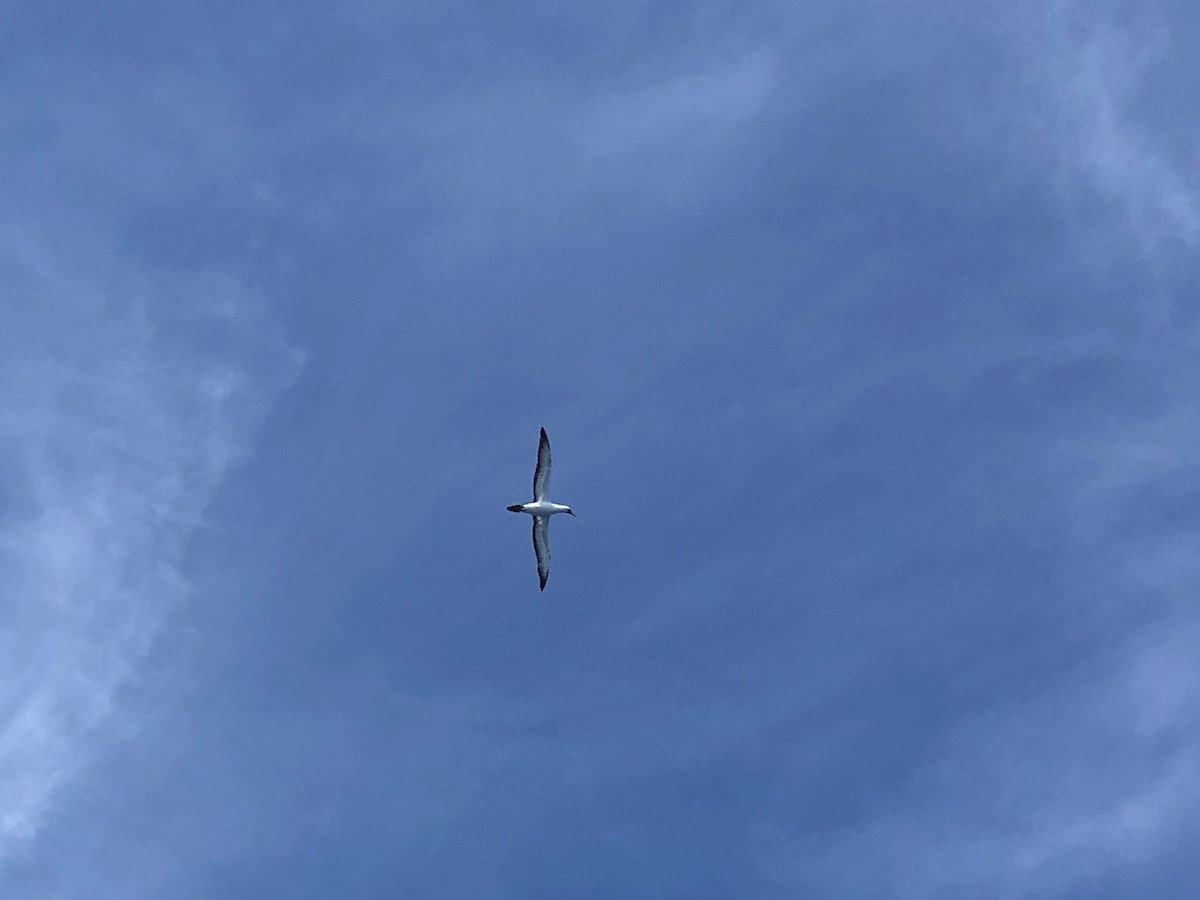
{"points": [[1103, 79], [1098, 772], [114, 437], [703, 106], [1028, 798], [518, 159]]}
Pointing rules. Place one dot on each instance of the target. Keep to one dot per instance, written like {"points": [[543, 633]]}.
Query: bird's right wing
{"points": [[541, 475], [541, 546]]}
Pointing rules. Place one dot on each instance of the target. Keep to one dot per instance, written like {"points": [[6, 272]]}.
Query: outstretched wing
{"points": [[541, 475], [541, 546]]}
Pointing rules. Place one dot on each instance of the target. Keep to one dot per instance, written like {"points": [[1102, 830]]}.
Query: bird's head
{"points": [[569, 511]]}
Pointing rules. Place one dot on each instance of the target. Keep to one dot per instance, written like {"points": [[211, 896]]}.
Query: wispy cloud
{"points": [[1031, 796], [700, 105], [1106, 84], [113, 439], [1099, 770], [518, 158]]}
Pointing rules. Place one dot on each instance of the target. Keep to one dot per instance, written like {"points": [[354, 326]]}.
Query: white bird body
{"points": [[541, 509], [544, 508]]}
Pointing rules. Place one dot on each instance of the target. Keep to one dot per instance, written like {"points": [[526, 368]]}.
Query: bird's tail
{"points": [[515, 508]]}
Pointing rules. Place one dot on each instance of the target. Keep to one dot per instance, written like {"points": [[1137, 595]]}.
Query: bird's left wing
{"points": [[541, 475], [541, 546]]}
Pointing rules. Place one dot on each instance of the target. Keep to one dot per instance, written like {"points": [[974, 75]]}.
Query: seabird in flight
{"points": [[541, 509]]}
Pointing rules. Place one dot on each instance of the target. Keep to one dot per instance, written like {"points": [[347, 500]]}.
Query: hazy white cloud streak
{"points": [[1100, 771], [113, 439]]}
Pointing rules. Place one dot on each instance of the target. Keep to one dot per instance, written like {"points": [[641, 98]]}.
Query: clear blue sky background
{"points": [[866, 335]]}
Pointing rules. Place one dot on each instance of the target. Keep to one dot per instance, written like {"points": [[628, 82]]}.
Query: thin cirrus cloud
{"points": [[1098, 776], [1105, 83], [127, 394], [681, 107], [515, 159], [113, 440]]}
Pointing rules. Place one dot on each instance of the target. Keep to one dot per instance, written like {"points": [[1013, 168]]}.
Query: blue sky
{"points": [[866, 335]]}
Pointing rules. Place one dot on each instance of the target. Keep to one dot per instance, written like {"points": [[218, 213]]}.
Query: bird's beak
{"points": [[571, 511]]}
